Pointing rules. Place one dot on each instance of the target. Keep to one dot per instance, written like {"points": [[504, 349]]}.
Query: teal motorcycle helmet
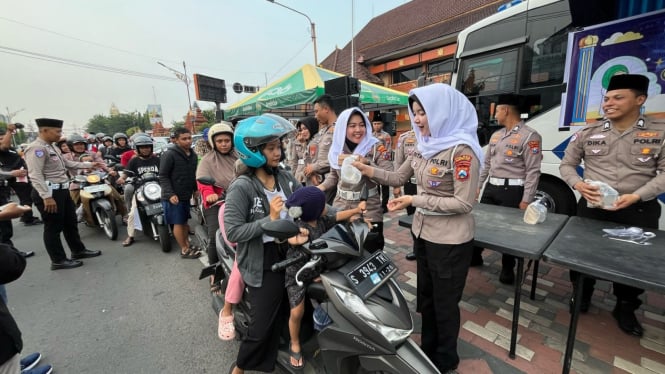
{"points": [[252, 133]]}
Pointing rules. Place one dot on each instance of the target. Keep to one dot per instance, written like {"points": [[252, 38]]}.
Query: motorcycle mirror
{"points": [[280, 229], [208, 181]]}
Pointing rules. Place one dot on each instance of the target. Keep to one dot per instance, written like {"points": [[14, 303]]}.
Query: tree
{"points": [[119, 123]]}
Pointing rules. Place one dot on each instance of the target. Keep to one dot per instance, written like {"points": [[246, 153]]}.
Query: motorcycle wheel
{"points": [[164, 238], [109, 224]]}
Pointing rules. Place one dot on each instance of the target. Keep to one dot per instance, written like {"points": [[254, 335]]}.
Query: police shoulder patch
{"points": [[462, 167], [39, 153]]}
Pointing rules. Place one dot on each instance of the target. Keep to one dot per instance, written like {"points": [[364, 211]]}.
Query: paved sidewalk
{"points": [[487, 312]]}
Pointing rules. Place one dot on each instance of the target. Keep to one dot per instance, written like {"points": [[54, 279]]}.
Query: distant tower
{"points": [[114, 110], [195, 118]]}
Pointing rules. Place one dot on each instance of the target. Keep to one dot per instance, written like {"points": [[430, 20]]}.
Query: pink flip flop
{"points": [[226, 330]]}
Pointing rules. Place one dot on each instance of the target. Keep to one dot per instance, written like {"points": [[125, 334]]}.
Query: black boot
{"points": [[624, 313], [477, 258]]}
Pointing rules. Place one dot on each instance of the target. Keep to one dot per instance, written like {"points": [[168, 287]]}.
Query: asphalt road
{"points": [[131, 310]]}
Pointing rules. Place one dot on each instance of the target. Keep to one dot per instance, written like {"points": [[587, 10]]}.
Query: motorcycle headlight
{"points": [[152, 191], [357, 306], [92, 178]]}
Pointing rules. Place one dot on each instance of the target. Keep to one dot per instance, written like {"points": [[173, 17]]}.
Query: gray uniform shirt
{"points": [[446, 184], [377, 158], [630, 162], [514, 154], [46, 163], [406, 145], [319, 147]]}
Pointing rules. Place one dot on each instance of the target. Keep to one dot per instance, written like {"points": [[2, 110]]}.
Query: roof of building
{"points": [[405, 27]]}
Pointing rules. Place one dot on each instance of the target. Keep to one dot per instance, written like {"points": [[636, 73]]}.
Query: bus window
{"points": [[489, 73], [545, 52]]}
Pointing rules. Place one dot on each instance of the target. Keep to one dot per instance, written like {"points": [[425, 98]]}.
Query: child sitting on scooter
{"points": [[307, 206]]}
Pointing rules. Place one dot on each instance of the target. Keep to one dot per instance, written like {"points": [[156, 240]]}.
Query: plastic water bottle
{"points": [[350, 174], [23, 179], [608, 195], [535, 213]]}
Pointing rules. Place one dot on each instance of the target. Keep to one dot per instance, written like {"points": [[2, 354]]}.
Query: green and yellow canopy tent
{"points": [[305, 85]]}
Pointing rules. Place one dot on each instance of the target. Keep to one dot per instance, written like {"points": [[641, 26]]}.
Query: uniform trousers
{"points": [[268, 316], [442, 271], [385, 195], [23, 192], [642, 214], [411, 189], [62, 221], [508, 196]]}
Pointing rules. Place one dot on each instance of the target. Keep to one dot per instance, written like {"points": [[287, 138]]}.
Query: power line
{"points": [[153, 58], [290, 60], [82, 64]]}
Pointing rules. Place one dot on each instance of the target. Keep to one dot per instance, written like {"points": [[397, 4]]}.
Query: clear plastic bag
{"points": [[535, 213], [608, 195], [350, 174]]}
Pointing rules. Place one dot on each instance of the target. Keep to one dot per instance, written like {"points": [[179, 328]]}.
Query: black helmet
{"points": [[119, 135], [99, 136], [75, 138], [142, 140], [107, 138]]}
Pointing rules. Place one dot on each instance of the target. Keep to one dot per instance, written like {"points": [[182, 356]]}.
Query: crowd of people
{"points": [[265, 164]]}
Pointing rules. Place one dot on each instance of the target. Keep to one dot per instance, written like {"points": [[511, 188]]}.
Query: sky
{"points": [[252, 42]]}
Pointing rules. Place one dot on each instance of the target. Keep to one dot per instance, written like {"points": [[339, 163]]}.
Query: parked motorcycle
{"points": [[148, 195], [362, 316], [95, 191]]}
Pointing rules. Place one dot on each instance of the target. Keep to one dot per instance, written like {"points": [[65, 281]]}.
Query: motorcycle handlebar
{"points": [[289, 261]]}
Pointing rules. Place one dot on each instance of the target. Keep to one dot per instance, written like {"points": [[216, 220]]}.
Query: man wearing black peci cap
{"points": [[512, 163], [624, 150], [48, 172]]}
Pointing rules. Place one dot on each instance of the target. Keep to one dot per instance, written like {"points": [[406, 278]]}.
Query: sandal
{"points": [[297, 356], [190, 253], [226, 330], [129, 241], [216, 289]]}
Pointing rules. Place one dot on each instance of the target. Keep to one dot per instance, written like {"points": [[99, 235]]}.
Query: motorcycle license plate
{"points": [[153, 209], [95, 188], [371, 274]]}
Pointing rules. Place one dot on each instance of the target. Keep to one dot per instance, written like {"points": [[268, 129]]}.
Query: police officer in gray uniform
{"points": [[625, 150], [406, 145], [48, 173], [512, 163], [319, 146]]}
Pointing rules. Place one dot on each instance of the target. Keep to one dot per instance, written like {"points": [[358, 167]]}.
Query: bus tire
{"points": [[557, 196]]}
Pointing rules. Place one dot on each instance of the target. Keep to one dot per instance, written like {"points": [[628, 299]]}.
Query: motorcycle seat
{"points": [[316, 291]]}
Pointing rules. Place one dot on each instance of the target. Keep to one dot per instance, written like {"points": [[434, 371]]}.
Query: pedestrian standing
{"points": [[11, 161], [48, 172], [406, 145], [446, 167], [177, 177], [624, 150], [512, 163], [307, 128]]}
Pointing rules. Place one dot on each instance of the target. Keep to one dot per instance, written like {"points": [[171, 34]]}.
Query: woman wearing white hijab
{"points": [[446, 167], [353, 136]]}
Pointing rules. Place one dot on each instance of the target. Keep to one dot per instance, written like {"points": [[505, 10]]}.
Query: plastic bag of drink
{"points": [[535, 213], [350, 174], [608, 195]]}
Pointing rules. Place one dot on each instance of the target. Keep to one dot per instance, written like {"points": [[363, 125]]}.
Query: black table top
{"points": [[503, 229], [581, 246]]}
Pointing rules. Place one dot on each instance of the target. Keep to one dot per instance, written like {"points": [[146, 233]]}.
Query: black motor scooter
{"points": [[363, 317], [148, 195]]}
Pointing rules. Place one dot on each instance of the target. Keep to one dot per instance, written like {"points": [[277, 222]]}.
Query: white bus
{"points": [[522, 49]]}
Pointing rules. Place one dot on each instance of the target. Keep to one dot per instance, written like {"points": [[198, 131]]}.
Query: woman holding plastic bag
{"points": [[446, 167], [353, 138]]}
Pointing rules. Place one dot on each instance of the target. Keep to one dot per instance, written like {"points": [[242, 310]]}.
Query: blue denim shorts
{"points": [[177, 214]]}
